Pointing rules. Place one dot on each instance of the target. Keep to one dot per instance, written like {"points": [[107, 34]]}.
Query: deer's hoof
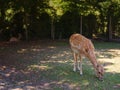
{"points": [[74, 70]]}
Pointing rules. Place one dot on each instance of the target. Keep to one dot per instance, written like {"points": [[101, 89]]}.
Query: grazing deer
{"points": [[81, 46], [15, 39]]}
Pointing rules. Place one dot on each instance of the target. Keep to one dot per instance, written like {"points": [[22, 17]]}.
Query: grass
{"points": [[49, 67]]}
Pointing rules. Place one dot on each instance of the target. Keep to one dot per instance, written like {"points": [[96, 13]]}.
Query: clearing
{"points": [[47, 65]]}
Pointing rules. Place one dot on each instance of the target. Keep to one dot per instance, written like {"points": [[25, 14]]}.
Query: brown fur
{"points": [[81, 46], [15, 39]]}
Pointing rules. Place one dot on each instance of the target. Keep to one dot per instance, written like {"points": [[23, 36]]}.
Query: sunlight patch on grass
{"points": [[52, 47], [111, 65], [114, 52], [108, 53], [54, 61], [35, 49], [22, 50], [40, 67], [85, 82], [53, 57], [110, 58]]}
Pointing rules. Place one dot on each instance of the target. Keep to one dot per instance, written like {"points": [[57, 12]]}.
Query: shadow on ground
{"points": [[48, 66]]}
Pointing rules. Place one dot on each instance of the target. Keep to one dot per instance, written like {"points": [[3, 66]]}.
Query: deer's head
{"points": [[100, 72]]}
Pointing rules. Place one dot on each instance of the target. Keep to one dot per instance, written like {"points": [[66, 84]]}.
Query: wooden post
{"points": [[110, 29], [80, 24], [52, 29]]}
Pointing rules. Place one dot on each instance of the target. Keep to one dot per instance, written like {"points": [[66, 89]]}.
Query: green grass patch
{"points": [[51, 66]]}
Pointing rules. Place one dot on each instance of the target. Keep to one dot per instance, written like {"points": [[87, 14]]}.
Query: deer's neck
{"points": [[94, 63]]}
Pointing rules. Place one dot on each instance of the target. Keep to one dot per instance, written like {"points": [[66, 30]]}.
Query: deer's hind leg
{"points": [[75, 61]]}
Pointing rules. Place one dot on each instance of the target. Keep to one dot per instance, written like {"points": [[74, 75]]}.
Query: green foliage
{"points": [[32, 10]]}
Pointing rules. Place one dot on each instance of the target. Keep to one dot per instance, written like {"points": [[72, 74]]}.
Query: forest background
{"points": [[58, 19]]}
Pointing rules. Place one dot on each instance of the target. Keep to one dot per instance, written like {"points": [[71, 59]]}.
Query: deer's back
{"points": [[80, 44]]}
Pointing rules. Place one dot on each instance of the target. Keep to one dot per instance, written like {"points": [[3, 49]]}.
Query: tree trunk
{"points": [[109, 33], [26, 26], [110, 29], [80, 24], [52, 29]]}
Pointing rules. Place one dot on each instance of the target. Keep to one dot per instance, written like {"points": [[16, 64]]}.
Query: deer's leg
{"points": [[75, 61], [80, 65]]}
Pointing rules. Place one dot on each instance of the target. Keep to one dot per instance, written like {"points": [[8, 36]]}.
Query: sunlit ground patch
{"points": [[112, 64], [39, 67]]}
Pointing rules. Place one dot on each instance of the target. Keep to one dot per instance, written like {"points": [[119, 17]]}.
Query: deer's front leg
{"points": [[75, 61], [80, 65]]}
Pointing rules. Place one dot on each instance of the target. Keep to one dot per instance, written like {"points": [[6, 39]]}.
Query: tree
{"points": [[63, 17], [56, 8]]}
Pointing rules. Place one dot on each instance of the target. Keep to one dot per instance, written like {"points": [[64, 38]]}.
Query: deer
{"points": [[15, 39], [83, 47]]}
